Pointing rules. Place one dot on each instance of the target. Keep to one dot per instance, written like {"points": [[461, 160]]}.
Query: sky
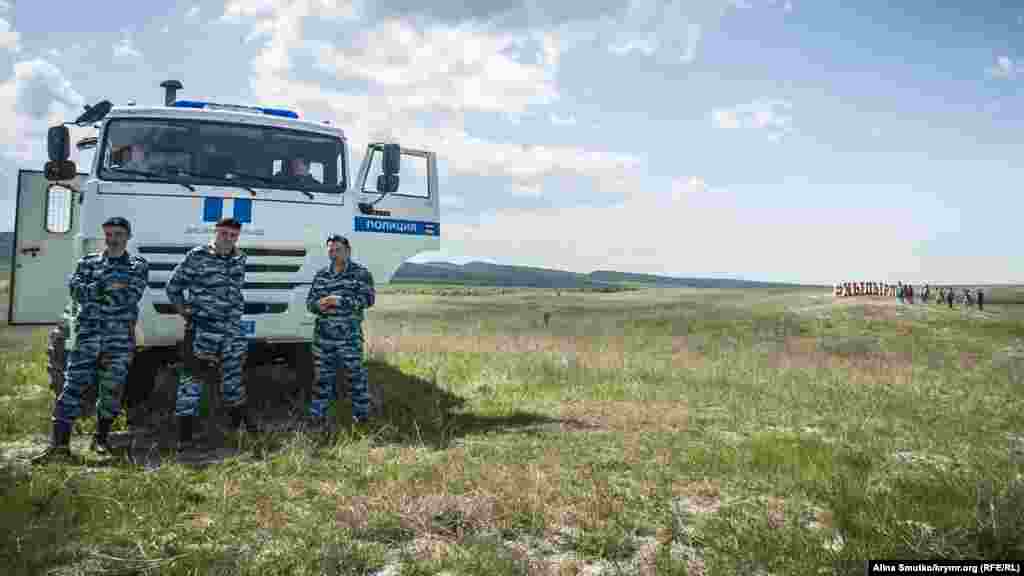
{"points": [[775, 140]]}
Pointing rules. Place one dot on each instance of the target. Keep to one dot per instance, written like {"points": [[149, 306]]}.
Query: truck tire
{"points": [[138, 388], [300, 359], [56, 359]]}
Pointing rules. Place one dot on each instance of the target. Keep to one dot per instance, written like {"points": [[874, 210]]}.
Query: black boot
{"points": [[240, 416], [59, 448], [100, 443], [185, 441]]}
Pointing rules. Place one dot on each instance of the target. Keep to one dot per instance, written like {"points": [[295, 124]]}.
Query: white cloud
{"points": [[53, 52], [669, 232], [444, 70], [772, 116], [672, 27], [788, 7], [450, 200], [692, 38], [35, 97], [651, 26], [1004, 68], [9, 39], [125, 48], [442, 67], [646, 45], [193, 11], [4, 5], [557, 120], [165, 29]]}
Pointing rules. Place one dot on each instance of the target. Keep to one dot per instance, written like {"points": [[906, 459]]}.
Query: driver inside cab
{"points": [[297, 172], [134, 157]]}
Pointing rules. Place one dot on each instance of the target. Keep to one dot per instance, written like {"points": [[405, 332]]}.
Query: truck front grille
{"points": [[278, 274], [250, 308]]}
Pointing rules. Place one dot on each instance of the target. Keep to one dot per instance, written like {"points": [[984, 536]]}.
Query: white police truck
{"points": [[173, 171]]}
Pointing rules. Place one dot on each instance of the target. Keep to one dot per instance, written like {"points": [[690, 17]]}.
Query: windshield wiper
{"points": [[216, 177], [267, 180], [149, 174]]}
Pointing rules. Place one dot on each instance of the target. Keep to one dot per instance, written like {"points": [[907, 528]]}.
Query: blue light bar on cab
{"points": [[235, 108]]}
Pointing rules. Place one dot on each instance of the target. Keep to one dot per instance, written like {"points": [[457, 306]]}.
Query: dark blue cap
{"points": [[119, 221], [337, 238]]}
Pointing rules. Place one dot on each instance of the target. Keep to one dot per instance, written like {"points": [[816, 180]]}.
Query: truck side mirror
{"points": [[58, 170], [58, 142], [387, 184], [392, 157]]}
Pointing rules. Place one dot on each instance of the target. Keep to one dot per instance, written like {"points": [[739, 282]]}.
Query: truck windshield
{"points": [[201, 152]]}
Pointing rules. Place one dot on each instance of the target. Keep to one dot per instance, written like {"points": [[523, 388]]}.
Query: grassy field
{"points": [[644, 432], [5, 277]]}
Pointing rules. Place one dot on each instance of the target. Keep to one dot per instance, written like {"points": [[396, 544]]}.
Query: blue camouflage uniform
{"points": [[338, 335], [101, 332], [215, 286]]}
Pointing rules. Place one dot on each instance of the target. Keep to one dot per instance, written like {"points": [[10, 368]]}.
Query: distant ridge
{"points": [[487, 274], [483, 273]]}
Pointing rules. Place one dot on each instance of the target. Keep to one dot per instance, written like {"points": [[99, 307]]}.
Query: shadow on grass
{"points": [[408, 410], [415, 410]]}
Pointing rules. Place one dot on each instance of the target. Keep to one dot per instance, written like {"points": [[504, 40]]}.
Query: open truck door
{"points": [[45, 226], [397, 201]]}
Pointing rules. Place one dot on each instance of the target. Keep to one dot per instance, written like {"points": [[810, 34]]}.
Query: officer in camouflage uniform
{"points": [[214, 276], [339, 295], [104, 306]]}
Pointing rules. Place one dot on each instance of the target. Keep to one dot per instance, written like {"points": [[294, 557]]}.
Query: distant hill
{"points": [[486, 274], [483, 273], [668, 281]]}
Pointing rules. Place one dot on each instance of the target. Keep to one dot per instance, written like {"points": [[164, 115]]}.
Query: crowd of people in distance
{"points": [[905, 293]]}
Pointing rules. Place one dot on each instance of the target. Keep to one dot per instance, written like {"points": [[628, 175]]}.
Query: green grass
{"points": [[653, 432], [5, 276]]}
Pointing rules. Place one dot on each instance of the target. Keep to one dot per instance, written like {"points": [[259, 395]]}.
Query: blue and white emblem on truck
{"points": [[241, 209], [212, 209]]}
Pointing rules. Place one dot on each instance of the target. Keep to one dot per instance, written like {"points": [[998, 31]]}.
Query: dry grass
{"points": [[627, 417]]}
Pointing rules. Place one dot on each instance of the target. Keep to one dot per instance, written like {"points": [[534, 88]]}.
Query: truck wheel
{"points": [[137, 390], [300, 358], [56, 359]]}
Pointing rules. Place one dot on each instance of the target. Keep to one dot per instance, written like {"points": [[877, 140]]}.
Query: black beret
{"points": [[230, 223], [337, 238]]}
